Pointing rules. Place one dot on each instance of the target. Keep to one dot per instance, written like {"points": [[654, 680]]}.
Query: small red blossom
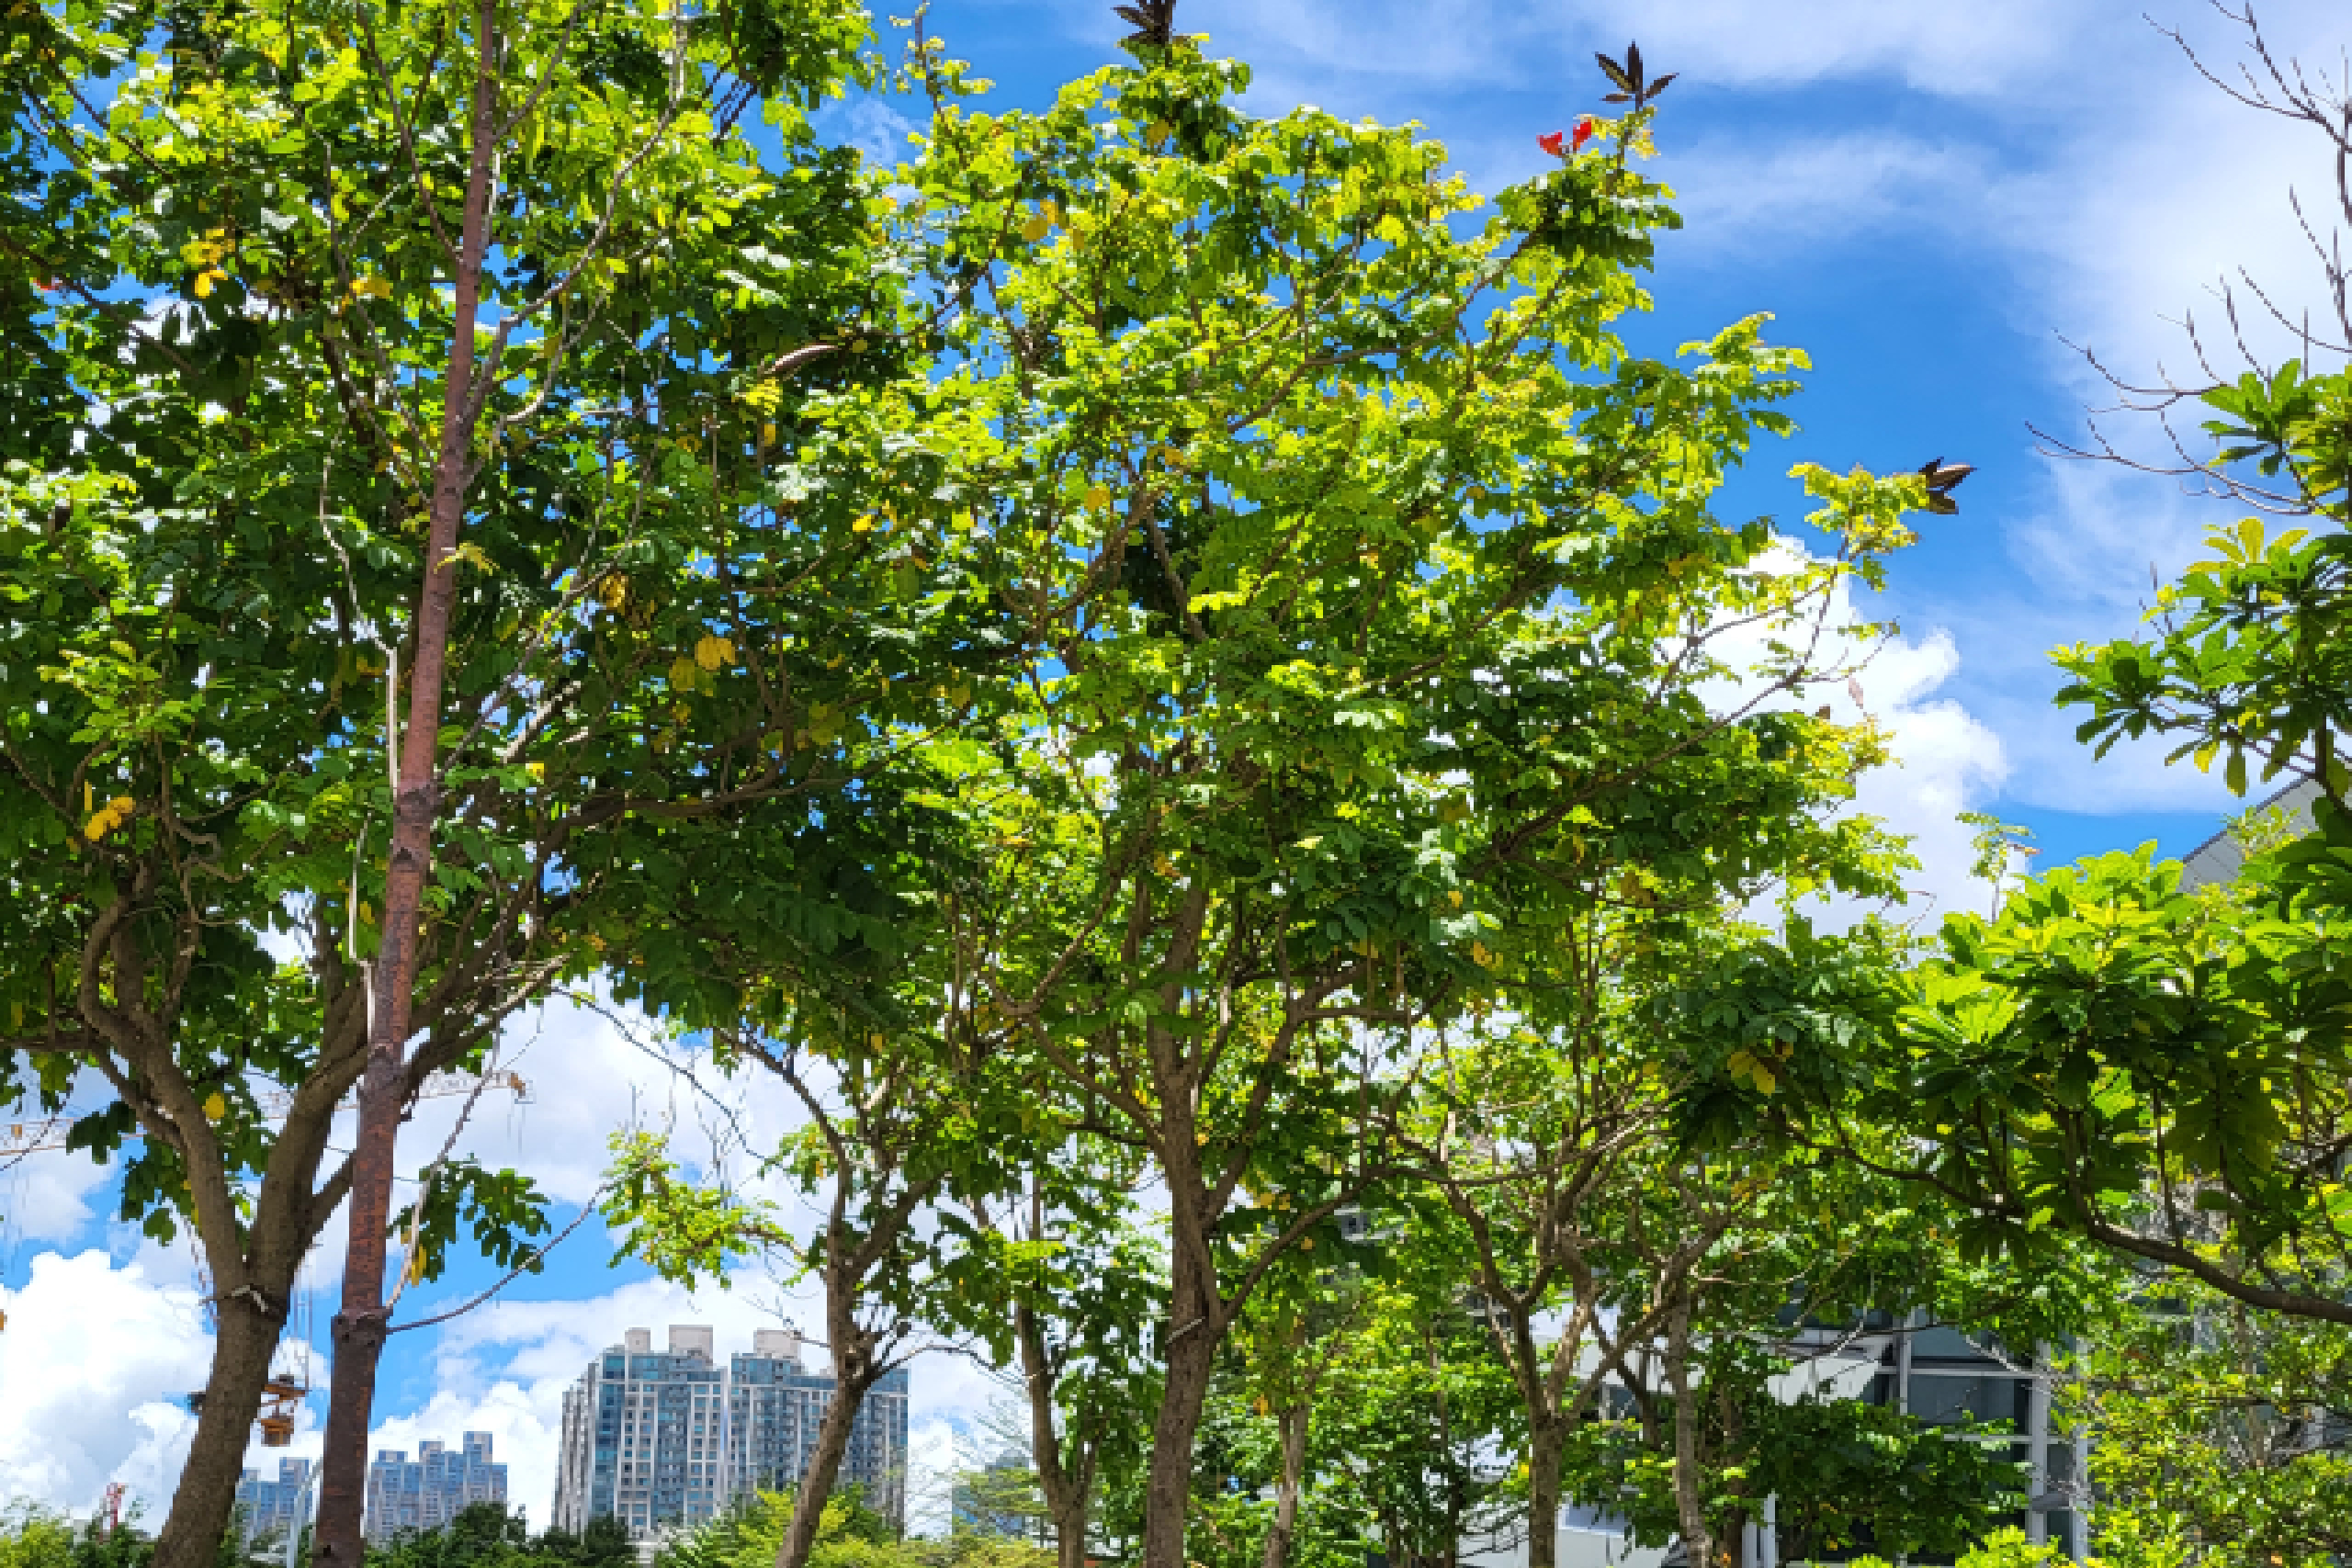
{"points": [[1584, 134], [1553, 143]]}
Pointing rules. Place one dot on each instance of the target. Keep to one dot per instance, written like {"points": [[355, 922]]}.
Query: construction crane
{"points": [[51, 1131]]}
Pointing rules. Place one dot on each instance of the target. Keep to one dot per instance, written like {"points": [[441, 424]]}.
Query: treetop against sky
{"points": [[1924, 199]]}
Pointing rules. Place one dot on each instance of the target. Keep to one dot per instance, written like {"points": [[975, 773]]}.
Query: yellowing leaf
{"points": [[684, 674], [538, 771], [712, 652], [1036, 229], [215, 1106], [204, 281], [1098, 497]]}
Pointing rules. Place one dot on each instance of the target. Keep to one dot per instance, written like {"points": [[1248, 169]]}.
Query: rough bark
{"points": [[359, 1326], [243, 1342], [1292, 1422], [1189, 1356], [1545, 1438]]}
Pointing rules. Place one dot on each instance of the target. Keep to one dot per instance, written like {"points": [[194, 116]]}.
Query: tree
{"points": [[1362, 583], [214, 536], [2160, 1072], [1413, 1419], [2220, 1430], [895, 1138], [1075, 1284]]}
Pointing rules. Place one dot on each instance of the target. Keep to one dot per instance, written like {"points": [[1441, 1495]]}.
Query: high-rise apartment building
{"points": [[664, 1440], [268, 1507], [429, 1491]]}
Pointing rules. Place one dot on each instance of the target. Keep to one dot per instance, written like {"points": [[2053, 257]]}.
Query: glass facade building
{"points": [[428, 1491], [266, 1507], [662, 1440]]}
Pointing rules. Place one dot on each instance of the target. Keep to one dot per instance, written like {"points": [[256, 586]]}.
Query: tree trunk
{"points": [[1189, 1353], [1545, 1439], [1065, 1494], [1698, 1543], [853, 1375], [1292, 1421], [242, 1345], [359, 1326]]}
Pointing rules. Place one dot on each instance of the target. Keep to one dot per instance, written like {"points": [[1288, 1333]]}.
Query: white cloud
{"points": [[1737, 195], [96, 1360], [48, 1196]]}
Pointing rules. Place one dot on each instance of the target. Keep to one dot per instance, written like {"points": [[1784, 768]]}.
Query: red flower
{"points": [[1553, 141], [1584, 134]]}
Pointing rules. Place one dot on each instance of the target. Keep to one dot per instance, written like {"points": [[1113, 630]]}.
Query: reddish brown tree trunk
{"points": [[359, 1326]]}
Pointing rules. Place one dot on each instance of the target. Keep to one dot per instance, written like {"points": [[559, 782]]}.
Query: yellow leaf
{"points": [[1454, 898], [1098, 497], [614, 592], [863, 525], [215, 1106], [712, 652], [538, 771], [366, 913], [1036, 229], [204, 284]]}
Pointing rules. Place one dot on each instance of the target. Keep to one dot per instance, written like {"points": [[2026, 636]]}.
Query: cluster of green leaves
{"points": [[850, 1535], [33, 1535], [485, 1535], [2219, 1432]]}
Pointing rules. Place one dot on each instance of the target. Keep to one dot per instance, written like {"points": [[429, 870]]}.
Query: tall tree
{"points": [[1364, 582], [543, 296]]}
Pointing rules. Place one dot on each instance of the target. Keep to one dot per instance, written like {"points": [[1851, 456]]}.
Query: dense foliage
{"points": [[1170, 674]]}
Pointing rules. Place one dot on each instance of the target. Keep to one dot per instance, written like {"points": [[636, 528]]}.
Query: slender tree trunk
{"points": [[853, 1373], [1189, 1353], [1065, 1492], [243, 1342], [816, 1487], [1698, 1543], [1546, 1437], [359, 1327], [1293, 1422]]}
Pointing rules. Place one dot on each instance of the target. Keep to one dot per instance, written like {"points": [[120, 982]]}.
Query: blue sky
{"points": [[1926, 194]]}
